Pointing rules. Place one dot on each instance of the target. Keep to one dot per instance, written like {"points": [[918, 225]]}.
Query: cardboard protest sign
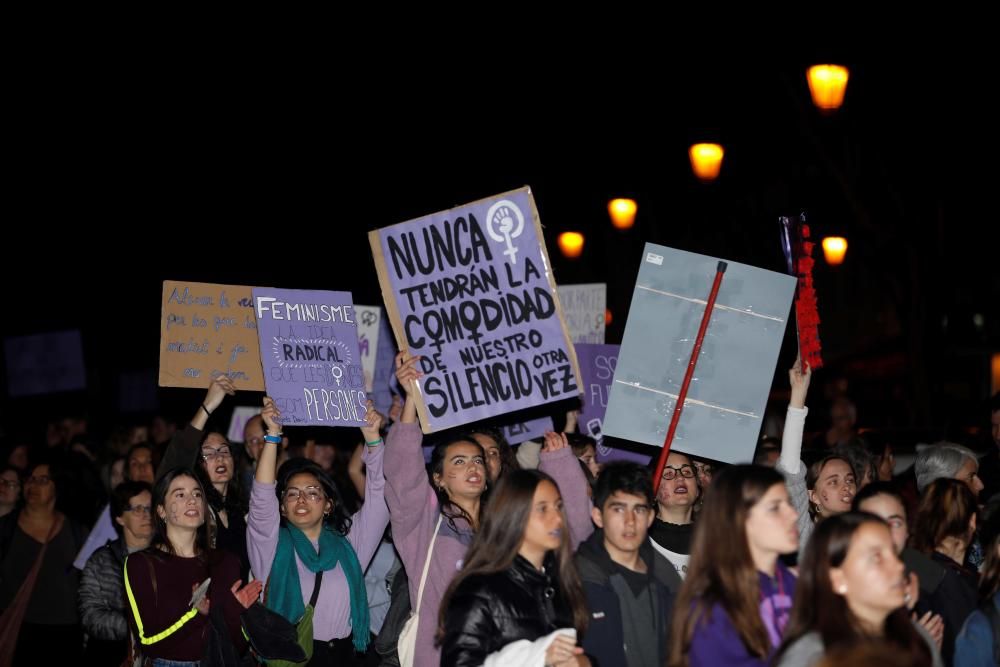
{"points": [[584, 307], [725, 403], [44, 363], [207, 330], [471, 291], [309, 349]]}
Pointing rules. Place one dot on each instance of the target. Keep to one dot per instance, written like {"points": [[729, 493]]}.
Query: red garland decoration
{"points": [[806, 312]]}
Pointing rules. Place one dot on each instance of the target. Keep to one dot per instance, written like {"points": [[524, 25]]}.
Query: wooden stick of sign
{"points": [[682, 396]]}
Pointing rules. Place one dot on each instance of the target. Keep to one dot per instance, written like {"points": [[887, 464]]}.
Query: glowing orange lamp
{"points": [[622, 213], [827, 85], [834, 249], [571, 244], [706, 161]]}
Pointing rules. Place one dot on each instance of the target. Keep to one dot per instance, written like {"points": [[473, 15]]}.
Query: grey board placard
{"points": [[725, 403]]}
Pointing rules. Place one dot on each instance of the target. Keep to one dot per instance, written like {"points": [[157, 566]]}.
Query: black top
{"points": [[671, 536], [489, 611]]}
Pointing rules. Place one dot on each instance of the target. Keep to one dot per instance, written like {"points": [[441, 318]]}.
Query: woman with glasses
{"points": [[675, 502], [51, 619], [217, 464], [10, 489], [102, 587], [182, 594], [301, 539]]}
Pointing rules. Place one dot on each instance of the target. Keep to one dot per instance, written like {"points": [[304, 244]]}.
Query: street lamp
{"points": [[571, 244], [706, 161], [622, 212], [834, 249], [827, 85]]}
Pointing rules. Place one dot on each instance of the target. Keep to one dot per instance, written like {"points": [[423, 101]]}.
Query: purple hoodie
{"points": [[716, 642], [413, 511]]}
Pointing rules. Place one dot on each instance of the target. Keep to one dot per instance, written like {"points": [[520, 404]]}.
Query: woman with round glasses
{"points": [[675, 502], [102, 586], [301, 537], [51, 619]]}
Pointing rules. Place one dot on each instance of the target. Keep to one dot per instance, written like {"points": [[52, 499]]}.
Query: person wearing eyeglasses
{"points": [[102, 587], [51, 618], [10, 489], [300, 537], [675, 502], [217, 464]]}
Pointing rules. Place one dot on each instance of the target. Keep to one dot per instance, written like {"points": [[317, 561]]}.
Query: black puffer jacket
{"points": [[489, 611], [102, 593]]}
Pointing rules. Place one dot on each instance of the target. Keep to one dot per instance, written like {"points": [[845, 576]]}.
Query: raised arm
{"points": [[183, 448]]}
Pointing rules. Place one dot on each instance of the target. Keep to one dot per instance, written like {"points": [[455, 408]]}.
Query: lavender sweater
{"points": [[414, 511], [332, 617]]}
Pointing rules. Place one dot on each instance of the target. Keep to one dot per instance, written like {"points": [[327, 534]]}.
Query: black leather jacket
{"points": [[489, 611]]}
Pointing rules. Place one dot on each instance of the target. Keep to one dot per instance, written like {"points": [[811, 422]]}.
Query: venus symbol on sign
{"points": [[504, 221]]}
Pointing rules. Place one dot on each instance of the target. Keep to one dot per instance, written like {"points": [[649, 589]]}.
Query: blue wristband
{"points": [[275, 439]]}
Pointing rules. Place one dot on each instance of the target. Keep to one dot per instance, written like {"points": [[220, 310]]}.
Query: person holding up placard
{"points": [[434, 525], [216, 463], [301, 537]]}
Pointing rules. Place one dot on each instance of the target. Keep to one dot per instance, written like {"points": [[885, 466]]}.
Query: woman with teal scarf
{"points": [[299, 536]]}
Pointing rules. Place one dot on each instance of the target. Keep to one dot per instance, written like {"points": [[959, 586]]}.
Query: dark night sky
{"points": [[136, 176]]}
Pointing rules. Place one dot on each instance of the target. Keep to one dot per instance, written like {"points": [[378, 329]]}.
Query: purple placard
{"points": [[533, 429], [473, 296], [309, 351], [45, 363], [597, 370], [384, 383]]}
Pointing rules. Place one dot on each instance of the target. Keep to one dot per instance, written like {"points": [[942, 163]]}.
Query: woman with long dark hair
{"points": [[735, 601], [943, 530], [218, 469], [217, 463], [302, 540], [433, 526], [169, 622], [500, 458], [851, 589], [518, 583]]}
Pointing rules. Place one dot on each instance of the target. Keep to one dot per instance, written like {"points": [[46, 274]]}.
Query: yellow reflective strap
{"points": [[138, 620]]}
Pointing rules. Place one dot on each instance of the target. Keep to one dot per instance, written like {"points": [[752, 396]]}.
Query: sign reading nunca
{"points": [[471, 291]]}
